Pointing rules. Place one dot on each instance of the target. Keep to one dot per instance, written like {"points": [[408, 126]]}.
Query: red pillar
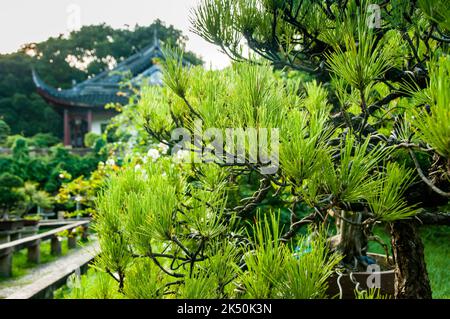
{"points": [[67, 141], [89, 120]]}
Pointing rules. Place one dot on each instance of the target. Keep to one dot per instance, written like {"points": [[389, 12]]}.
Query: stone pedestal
{"points": [[6, 263], [4, 237], [34, 252], [72, 241], [56, 246], [84, 234]]}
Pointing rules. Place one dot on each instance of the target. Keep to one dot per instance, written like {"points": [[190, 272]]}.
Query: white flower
{"points": [[164, 148], [78, 198], [154, 154], [110, 162], [182, 156], [164, 174], [137, 168]]}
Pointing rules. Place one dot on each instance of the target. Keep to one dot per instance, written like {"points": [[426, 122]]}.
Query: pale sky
{"points": [[25, 21]]}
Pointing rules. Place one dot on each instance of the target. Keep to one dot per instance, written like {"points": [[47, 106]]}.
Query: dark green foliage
{"points": [[9, 194], [61, 160], [384, 68], [90, 139], [5, 130], [43, 140], [10, 180], [99, 147], [20, 150], [46, 170]]}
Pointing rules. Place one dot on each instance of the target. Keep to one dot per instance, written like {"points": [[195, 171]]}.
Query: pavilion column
{"points": [[67, 140], [89, 120]]}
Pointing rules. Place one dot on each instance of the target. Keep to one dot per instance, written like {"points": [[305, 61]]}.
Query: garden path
{"points": [[41, 276]]}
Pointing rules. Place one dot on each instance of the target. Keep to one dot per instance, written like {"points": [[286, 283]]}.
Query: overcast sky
{"points": [[24, 21]]}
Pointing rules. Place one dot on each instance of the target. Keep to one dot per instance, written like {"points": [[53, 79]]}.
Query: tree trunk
{"points": [[352, 241], [411, 276]]}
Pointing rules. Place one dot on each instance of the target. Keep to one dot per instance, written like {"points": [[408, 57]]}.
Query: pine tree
{"points": [[386, 64], [356, 141]]}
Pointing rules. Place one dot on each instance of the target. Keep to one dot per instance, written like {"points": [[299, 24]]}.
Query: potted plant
{"points": [[386, 103], [32, 220], [10, 201], [78, 195], [359, 134], [351, 185], [34, 199]]}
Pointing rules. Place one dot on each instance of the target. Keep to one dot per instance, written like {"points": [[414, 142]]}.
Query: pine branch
{"points": [[424, 178]]}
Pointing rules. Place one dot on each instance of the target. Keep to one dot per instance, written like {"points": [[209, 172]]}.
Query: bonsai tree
{"points": [[365, 142], [20, 151], [384, 70], [81, 192], [44, 140], [4, 132], [90, 139], [34, 198], [10, 195]]}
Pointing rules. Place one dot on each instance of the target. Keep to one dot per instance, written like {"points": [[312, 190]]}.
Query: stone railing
{"points": [[32, 243]]}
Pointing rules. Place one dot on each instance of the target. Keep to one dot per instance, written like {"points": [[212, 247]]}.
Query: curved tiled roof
{"points": [[106, 87]]}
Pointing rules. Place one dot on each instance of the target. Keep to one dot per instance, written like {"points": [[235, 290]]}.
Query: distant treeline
{"points": [[66, 60]]}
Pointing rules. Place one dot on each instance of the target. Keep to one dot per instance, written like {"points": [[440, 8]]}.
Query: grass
{"points": [[437, 255], [436, 241], [21, 266]]}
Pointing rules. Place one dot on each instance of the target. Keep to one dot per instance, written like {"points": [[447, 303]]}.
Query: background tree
{"points": [[65, 60], [4, 132], [10, 195]]}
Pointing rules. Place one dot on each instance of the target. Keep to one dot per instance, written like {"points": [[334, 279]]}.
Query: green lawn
{"points": [[436, 240]]}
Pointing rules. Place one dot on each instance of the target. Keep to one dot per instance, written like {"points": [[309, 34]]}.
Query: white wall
{"points": [[97, 120]]}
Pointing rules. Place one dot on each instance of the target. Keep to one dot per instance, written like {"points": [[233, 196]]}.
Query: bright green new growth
{"points": [[388, 204], [343, 140], [275, 272], [363, 60], [159, 240], [175, 221], [434, 126]]}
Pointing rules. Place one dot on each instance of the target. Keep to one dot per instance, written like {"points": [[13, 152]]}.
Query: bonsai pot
{"points": [[30, 222], [386, 281], [6, 225]]}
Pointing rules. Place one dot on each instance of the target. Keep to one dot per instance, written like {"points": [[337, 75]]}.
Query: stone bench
{"points": [[32, 243]]}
